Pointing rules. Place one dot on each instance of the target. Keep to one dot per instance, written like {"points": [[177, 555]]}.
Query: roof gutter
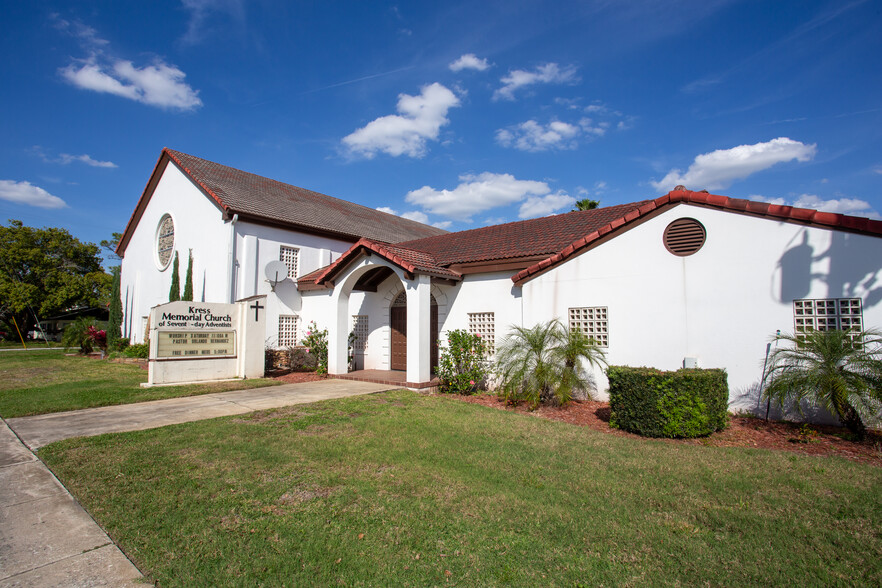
{"points": [[231, 260]]}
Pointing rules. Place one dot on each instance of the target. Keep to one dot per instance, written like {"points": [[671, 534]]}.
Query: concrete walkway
{"points": [[46, 538], [40, 430]]}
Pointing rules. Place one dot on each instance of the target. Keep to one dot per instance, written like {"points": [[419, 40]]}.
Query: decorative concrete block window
{"points": [[360, 329], [289, 256], [826, 314], [484, 324], [593, 321], [287, 330]]}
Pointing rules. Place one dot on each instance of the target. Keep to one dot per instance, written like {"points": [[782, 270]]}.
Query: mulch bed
{"points": [[743, 431], [290, 377]]}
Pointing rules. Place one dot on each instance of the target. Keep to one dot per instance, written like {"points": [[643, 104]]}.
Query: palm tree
{"points": [[574, 346], [543, 363], [841, 371], [586, 204]]}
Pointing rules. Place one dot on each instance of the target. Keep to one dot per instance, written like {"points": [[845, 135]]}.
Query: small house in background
{"points": [[690, 279], [54, 326]]}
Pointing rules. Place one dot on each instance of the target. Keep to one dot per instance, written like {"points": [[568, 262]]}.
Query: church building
{"points": [[687, 279]]}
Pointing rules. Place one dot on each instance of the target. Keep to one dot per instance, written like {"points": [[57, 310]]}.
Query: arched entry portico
{"points": [[398, 335], [363, 275]]}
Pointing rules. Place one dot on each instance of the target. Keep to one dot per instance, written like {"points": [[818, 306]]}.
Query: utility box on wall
{"points": [[205, 341]]}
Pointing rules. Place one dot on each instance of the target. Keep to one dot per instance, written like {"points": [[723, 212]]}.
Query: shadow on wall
{"points": [[749, 400], [852, 272]]}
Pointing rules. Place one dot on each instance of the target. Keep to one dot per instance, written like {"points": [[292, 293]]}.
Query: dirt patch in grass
{"points": [[743, 431]]}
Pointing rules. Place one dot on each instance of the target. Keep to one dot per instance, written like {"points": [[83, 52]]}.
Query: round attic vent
{"points": [[684, 236]]}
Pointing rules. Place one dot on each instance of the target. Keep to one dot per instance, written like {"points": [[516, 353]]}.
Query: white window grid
{"points": [[288, 255], [592, 321], [484, 324], [827, 314], [287, 330], [360, 328]]}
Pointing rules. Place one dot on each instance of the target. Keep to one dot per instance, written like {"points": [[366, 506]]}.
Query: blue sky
{"points": [[459, 114]]}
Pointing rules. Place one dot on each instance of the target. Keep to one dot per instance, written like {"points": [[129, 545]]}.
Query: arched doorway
{"points": [[398, 324]]}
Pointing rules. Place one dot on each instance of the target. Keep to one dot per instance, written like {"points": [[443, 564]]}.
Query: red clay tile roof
{"points": [[411, 261], [264, 200], [538, 236], [774, 211]]}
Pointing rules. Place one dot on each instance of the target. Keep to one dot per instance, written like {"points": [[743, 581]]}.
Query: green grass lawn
{"points": [[404, 489], [38, 382]]}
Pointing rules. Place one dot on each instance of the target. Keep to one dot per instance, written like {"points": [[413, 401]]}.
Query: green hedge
{"points": [[653, 403]]}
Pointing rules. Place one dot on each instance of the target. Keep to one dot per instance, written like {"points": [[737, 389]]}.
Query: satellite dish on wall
{"points": [[276, 271]]}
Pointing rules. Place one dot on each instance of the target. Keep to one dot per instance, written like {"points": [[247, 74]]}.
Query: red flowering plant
{"points": [[98, 338]]}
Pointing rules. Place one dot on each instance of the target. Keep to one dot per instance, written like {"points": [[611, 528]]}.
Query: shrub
{"points": [[301, 360], [462, 367], [685, 403], [139, 350], [317, 343]]}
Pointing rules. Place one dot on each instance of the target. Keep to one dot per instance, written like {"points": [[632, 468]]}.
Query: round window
{"points": [[165, 241], [684, 236]]}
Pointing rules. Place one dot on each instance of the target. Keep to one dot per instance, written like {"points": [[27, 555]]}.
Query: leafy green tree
{"points": [[188, 281], [840, 371], [115, 317], [174, 293], [47, 271], [543, 363], [110, 245], [586, 204]]}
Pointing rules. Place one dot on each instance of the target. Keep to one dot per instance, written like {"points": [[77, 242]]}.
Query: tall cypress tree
{"points": [[114, 321], [174, 292], [188, 281]]}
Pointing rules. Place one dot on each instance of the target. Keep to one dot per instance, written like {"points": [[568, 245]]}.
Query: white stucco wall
{"points": [[256, 246], [720, 305], [198, 226]]}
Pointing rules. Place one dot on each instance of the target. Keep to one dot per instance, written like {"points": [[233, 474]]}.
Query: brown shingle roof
{"points": [[538, 236], [261, 199]]}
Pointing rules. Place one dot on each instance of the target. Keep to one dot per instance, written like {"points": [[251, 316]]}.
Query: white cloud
{"points": [[718, 169], [159, 84], [534, 136], [536, 206], [66, 158], [851, 206], [549, 73], [476, 193], [27, 193], [469, 61], [414, 215], [420, 119]]}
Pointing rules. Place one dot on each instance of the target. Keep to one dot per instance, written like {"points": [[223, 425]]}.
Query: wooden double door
{"points": [[398, 322]]}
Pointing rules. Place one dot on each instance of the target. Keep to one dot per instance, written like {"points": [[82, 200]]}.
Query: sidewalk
{"points": [[46, 538], [37, 431]]}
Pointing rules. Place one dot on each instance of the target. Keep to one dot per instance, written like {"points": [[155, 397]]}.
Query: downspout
{"points": [[231, 261]]}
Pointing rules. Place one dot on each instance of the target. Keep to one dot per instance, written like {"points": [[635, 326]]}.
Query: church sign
{"points": [[203, 341]]}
